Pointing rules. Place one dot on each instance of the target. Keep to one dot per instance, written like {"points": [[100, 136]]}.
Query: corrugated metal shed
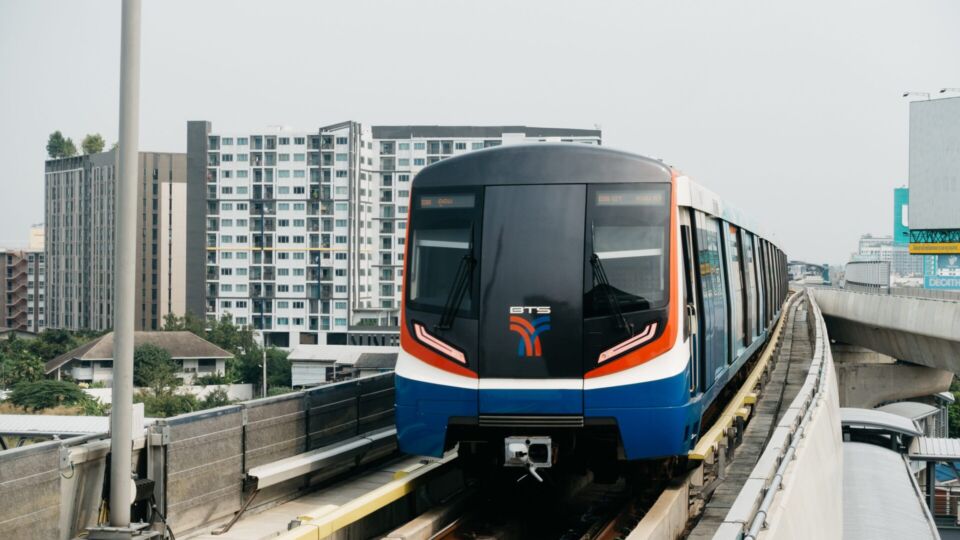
{"points": [[910, 409], [876, 419], [935, 449], [48, 425], [880, 497]]}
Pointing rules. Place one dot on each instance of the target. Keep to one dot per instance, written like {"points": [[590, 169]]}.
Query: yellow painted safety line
{"points": [[328, 522], [745, 396]]}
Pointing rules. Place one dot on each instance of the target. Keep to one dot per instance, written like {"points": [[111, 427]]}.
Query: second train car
{"points": [[570, 303]]}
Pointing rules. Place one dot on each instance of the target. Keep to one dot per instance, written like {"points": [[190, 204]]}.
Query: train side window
{"points": [[738, 335], [761, 297], [750, 279]]}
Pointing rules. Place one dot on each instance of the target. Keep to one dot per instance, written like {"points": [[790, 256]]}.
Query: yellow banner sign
{"points": [[934, 249]]}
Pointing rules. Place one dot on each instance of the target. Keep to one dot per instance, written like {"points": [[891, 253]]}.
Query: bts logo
{"points": [[529, 330]]}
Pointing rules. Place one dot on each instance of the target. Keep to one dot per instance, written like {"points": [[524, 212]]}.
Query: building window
{"points": [[420, 146], [242, 141], [341, 140], [419, 162], [461, 146]]}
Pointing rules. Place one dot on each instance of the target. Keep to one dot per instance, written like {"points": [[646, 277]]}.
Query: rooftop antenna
{"points": [[918, 94], [945, 90]]}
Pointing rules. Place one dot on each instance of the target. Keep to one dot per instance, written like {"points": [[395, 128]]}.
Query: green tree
{"points": [[18, 363], [153, 368], [249, 368], [46, 393], [92, 144], [953, 411], [50, 344], [189, 322], [166, 405], [230, 337], [59, 147], [217, 398]]}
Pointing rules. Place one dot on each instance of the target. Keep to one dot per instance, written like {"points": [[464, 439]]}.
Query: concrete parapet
{"points": [[30, 491]]}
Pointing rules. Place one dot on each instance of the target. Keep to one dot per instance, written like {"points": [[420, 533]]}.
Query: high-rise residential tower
{"points": [[304, 231], [79, 244]]}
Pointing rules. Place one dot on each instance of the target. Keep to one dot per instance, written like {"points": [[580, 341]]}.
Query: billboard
{"points": [[934, 194], [901, 226], [941, 271]]}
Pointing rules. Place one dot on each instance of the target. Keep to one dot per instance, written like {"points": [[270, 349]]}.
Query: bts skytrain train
{"points": [[570, 303]]}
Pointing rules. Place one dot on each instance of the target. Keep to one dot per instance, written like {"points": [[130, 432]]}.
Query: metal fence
{"points": [[198, 460]]}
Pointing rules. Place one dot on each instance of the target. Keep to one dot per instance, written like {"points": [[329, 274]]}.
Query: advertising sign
{"points": [[941, 272], [901, 227]]}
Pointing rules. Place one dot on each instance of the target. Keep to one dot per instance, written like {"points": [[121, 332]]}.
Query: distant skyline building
{"points": [[36, 237], [874, 248], [22, 281], [80, 194], [904, 264], [303, 231]]}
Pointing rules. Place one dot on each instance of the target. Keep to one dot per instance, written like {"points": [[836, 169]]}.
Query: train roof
{"points": [[542, 163], [566, 163], [692, 194]]}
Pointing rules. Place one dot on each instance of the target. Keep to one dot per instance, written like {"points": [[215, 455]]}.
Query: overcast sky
{"points": [[791, 112]]}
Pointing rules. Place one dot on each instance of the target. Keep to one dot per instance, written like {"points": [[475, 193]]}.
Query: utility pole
{"points": [[263, 341], [125, 265], [124, 288]]}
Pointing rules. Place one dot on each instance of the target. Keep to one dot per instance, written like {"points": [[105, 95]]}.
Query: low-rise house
{"points": [[317, 364], [93, 362], [375, 363]]}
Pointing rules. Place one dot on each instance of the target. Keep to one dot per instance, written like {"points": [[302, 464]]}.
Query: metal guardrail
{"points": [[748, 514]]}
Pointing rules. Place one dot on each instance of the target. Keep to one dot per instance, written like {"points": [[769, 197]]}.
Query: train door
{"points": [[713, 313], [531, 300], [692, 303]]}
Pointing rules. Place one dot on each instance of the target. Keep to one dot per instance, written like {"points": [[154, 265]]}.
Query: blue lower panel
{"points": [[423, 411], [656, 418], [531, 401]]}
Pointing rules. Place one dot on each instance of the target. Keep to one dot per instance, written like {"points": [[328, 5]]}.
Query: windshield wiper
{"points": [[461, 282], [600, 277]]}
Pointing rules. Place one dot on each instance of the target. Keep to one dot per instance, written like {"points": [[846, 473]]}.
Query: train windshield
{"points": [[626, 248], [442, 255]]}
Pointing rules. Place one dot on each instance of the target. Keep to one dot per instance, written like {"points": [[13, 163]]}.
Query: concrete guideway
{"points": [[923, 331], [792, 486]]}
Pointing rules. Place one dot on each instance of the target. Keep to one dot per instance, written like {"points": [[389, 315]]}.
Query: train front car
{"points": [[541, 316]]}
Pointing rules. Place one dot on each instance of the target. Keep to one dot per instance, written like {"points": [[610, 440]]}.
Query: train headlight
{"points": [[437, 344], [644, 336]]}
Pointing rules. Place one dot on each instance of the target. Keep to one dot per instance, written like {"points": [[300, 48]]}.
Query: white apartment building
{"points": [[305, 230]]}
